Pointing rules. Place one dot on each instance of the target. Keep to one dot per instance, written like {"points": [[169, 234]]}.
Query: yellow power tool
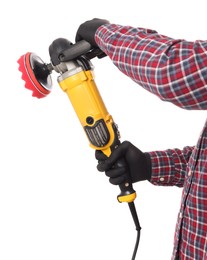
{"points": [[73, 64]]}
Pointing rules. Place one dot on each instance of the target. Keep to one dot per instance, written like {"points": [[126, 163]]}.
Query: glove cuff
{"points": [[148, 166], [144, 166]]}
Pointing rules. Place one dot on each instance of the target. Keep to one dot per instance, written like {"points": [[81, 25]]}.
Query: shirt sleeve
{"points": [[174, 70], [169, 166]]}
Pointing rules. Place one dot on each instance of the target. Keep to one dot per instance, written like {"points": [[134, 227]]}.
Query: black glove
{"points": [[87, 30], [138, 164]]}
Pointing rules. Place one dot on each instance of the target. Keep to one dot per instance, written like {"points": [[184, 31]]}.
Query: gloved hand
{"points": [[87, 30], [138, 164]]}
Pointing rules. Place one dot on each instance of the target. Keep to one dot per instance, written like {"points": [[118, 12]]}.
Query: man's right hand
{"points": [[138, 164]]}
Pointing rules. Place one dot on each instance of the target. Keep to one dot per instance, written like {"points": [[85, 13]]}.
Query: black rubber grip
{"points": [[75, 50]]}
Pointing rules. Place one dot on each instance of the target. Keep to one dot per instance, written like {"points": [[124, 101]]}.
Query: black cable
{"points": [[137, 225], [136, 245]]}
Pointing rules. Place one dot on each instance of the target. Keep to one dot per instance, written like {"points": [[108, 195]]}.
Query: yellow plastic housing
{"points": [[87, 101]]}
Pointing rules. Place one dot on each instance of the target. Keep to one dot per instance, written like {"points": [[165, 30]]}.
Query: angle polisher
{"points": [[73, 64]]}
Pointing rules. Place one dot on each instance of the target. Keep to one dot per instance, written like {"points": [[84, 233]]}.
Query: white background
{"points": [[54, 204]]}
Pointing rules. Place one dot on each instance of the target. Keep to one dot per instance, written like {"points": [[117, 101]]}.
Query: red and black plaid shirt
{"points": [[175, 71]]}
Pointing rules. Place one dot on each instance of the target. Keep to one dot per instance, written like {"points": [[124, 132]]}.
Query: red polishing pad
{"points": [[35, 74]]}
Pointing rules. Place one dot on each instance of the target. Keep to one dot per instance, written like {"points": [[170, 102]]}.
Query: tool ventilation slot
{"points": [[98, 134]]}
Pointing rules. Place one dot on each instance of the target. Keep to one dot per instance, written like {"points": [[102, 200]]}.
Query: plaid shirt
{"points": [[175, 71]]}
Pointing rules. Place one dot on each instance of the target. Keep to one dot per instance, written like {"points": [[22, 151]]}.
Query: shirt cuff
{"points": [[167, 169]]}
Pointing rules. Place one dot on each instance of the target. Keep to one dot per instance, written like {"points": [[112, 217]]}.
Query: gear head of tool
{"points": [[36, 73]]}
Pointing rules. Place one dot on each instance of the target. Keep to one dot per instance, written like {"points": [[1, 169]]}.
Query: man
{"points": [[175, 71]]}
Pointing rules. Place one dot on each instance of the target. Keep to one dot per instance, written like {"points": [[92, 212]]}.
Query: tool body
{"points": [[97, 123], [76, 79]]}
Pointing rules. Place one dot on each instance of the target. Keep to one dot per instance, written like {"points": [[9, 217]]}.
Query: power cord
{"points": [[137, 225]]}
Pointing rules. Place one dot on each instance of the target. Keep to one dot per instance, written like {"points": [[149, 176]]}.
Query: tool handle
{"points": [[78, 49], [75, 50], [127, 194]]}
